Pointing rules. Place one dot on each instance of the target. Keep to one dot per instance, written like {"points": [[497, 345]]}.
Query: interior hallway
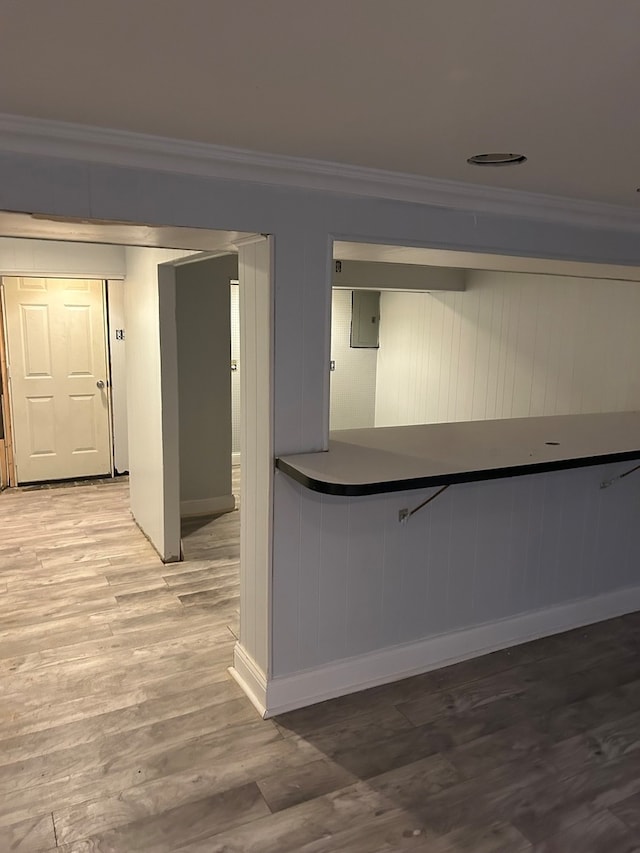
{"points": [[120, 729]]}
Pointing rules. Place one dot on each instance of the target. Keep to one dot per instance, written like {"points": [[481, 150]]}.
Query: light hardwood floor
{"points": [[120, 729]]}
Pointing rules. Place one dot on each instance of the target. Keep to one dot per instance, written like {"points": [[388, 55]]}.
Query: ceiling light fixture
{"points": [[496, 159]]}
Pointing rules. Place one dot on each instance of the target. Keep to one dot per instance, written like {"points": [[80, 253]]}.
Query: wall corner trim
{"points": [[47, 138], [246, 672], [286, 693]]}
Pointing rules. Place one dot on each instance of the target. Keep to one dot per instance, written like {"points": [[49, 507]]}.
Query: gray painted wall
{"points": [[301, 223], [203, 321]]}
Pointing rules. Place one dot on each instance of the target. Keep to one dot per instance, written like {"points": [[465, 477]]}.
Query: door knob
{"points": [[100, 384]]}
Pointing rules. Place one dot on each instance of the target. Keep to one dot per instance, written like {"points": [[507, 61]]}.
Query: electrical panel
{"points": [[365, 318]]}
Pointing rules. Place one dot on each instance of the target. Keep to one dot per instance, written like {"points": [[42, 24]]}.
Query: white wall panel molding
{"points": [[369, 670], [122, 148]]}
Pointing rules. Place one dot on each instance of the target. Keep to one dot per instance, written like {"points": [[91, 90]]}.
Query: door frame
{"points": [[7, 454], [7, 466], [107, 370]]}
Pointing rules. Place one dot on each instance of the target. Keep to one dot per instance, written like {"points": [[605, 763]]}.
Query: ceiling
{"points": [[415, 86]]}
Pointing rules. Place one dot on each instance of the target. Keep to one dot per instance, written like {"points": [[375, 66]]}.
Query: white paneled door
{"points": [[58, 377]]}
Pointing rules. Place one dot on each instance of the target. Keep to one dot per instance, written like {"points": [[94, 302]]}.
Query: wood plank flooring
{"points": [[120, 729]]}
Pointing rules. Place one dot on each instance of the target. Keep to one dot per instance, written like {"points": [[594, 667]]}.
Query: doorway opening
{"points": [[463, 336], [38, 250]]}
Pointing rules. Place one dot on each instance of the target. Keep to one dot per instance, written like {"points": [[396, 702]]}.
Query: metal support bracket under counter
{"points": [[391, 459]]}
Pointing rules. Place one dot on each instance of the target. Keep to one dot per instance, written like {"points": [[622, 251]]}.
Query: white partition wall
{"points": [[152, 397], [285, 404], [252, 653], [308, 622]]}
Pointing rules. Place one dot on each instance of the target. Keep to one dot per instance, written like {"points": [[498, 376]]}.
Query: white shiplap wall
{"points": [[256, 471], [479, 553], [353, 382], [510, 346]]}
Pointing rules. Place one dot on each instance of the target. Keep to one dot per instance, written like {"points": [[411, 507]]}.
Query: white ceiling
{"points": [[410, 85]]}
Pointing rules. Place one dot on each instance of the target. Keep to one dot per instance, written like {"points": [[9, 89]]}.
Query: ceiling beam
{"points": [[376, 275]]}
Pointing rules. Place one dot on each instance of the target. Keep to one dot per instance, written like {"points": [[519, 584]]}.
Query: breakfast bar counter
{"points": [[389, 459]]}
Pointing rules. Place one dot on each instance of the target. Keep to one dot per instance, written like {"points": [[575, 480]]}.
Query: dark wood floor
{"points": [[120, 729]]}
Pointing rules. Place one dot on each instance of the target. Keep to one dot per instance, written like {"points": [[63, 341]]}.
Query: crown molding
{"points": [[42, 137]]}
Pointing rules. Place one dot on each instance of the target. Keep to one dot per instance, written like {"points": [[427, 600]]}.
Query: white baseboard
{"points": [[250, 678], [207, 506], [391, 664]]}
